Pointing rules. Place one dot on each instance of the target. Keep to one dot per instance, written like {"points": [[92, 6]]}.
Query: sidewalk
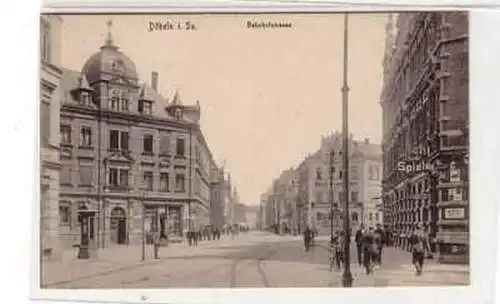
{"points": [[121, 257]]}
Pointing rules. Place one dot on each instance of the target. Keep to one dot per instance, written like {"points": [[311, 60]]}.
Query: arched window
{"points": [[318, 174]]}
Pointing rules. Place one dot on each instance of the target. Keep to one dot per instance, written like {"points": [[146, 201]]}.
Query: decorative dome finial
{"points": [[109, 38]]}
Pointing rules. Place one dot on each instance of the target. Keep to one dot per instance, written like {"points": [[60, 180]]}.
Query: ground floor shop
{"points": [[120, 221]]}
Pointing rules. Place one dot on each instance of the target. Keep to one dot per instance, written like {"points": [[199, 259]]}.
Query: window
{"points": [[124, 104], [318, 174], [370, 216], [64, 215], [124, 177], [113, 177], [114, 139], [373, 173], [377, 216], [84, 99], [44, 123], [354, 172], [118, 140], [65, 134], [148, 143], [354, 197], [164, 143], [354, 217], [148, 180], [86, 137], [65, 176], [180, 147], [164, 182], [178, 114], [45, 40], [145, 107], [341, 197], [179, 183], [85, 175], [118, 177], [114, 102], [124, 141], [340, 173]]}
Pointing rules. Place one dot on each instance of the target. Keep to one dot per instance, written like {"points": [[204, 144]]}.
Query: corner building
{"points": [[314, 192], [127, 152], [425, 130], [50, 78]]}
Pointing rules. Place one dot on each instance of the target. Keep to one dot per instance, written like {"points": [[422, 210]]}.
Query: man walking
{"points": [[359, 244], [420, 245], [380, 241]]}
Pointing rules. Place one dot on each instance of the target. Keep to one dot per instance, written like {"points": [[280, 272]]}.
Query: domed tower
{"points": [[113, 76]]}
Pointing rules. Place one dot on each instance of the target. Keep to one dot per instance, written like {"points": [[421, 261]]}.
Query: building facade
{"points": [[425, 129], [127, 152], [50, 77], [315, 194], [284, 193]]}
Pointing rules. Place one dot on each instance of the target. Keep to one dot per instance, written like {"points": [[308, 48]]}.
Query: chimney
{"points": [[367, 141], [154, 81]]}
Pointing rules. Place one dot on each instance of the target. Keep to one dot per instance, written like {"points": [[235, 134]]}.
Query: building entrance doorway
{"points": [[118, 226]]}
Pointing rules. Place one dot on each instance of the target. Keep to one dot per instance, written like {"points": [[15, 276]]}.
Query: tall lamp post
{"points": [[347, 275]]}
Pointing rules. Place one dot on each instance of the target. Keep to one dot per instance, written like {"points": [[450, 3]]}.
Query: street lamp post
{"points": [[347, 276]]}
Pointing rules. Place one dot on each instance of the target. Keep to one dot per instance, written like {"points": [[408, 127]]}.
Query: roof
{"points": [[71, 80]]}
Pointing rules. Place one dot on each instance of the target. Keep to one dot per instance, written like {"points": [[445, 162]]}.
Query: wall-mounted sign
{"points": [[454, 213]]}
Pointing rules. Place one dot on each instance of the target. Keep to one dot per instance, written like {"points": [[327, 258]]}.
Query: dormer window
{"points": [[145, 107], [124, 104], [114, 102], [84, 99], [178, 114], [117, 65]]}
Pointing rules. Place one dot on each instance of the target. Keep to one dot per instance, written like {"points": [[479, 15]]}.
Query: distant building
{"points": [[128, 152], [285, 200], [50, 77], [252, 216], [240, 213], [315, 194], [425, 101]]}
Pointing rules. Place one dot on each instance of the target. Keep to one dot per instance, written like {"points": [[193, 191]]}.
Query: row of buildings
{"points": [[110, 143], [425, 129], [302, 197]]}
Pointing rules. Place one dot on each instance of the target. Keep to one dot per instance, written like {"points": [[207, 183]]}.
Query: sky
{"points": [[267, 96]]}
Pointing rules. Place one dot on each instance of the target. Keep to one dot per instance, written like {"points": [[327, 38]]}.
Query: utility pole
{"points": [[347, 276]]}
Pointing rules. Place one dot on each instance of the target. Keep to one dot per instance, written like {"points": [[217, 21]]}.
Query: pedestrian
{"points": [[380, 241], [368, 250], [156, 244], [339, 245], [307, 238], [359, 243], [420, 245]]}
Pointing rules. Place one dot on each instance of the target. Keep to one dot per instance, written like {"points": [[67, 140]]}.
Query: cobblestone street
{"points": [[250, 260]]}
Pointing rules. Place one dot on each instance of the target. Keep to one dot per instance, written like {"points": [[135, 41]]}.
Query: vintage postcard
{"points": [[254, 150]]}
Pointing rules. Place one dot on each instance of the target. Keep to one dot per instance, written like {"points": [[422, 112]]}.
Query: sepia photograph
{"points": [[254, 150]]}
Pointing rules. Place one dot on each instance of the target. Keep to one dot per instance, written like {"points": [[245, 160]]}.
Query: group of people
{"points": [[212, 233], [370, 243]]}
